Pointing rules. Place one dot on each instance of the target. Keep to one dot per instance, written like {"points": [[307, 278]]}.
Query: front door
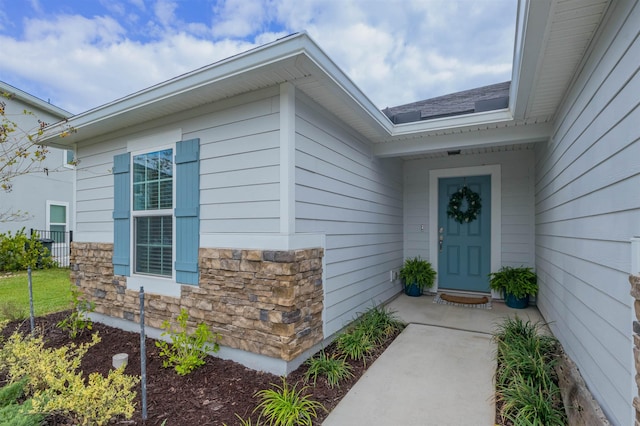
{"points": [[464, 241]]}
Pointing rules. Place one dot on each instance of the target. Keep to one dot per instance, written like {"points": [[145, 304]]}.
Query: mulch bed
{"points": [[211, 395]]}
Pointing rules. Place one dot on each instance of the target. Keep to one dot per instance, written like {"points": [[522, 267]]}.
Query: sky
{"points": [[80, 54]]}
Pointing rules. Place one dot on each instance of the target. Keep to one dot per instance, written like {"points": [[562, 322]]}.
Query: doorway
{"points": [[464, 233], [493, 201]]}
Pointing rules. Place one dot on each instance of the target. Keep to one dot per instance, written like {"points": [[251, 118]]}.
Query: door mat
{"points": [[480, 302]]}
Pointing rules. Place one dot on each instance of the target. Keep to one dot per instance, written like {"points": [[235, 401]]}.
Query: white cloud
{"points": [[239, 18], [81, 73], [399, 52], [165, 12], [395, 51]]}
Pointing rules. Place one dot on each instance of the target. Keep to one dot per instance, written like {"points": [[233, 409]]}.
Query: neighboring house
{"points": [[269, 196], [44, 196]]}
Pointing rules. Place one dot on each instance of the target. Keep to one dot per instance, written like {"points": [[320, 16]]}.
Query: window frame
{"points": [[152, 213], [48, 222], [65, 159]]}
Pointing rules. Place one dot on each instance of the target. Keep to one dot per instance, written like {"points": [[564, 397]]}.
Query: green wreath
{"points": [[473, 205]]}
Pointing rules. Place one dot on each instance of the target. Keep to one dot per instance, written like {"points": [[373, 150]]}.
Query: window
{"points": [[156, 213], [69, 158], [153, 212], [57, 222]]}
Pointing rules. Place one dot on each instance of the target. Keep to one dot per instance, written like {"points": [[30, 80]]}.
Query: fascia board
{"points": [[532, 27], [297, 45], [210, 74], [34, 101], [335, 75], [449, 123], [462, 139]]}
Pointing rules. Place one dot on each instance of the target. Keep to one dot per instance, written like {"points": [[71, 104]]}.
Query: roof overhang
{"points": [[34, 102], [298, 60], [295, 59]]}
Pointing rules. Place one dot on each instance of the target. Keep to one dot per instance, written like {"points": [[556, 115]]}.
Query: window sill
{"points": [[156, 285]]}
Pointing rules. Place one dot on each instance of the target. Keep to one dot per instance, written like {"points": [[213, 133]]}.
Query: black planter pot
{"points": [[514, 302], [412, 290]]}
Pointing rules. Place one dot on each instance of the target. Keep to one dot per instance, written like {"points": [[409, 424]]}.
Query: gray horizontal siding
{"points": [[94, 190], [586, 214], [239, 166], [239, 152], [355, 200]]}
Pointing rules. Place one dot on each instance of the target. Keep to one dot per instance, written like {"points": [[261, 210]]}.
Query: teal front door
{"points": [[464, 249]]}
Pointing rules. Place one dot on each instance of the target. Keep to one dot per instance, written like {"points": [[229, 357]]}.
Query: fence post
{"points": [[143, 358], [31, 313]]}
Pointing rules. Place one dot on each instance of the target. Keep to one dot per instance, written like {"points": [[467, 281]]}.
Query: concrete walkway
{"points": [[439, 371]]}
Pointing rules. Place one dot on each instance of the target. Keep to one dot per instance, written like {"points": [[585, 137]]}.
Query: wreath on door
{"points": [[474, 205]]}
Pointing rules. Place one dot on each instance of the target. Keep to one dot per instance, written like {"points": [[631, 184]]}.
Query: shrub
{"points": [[78, 320], [55, 384], [12, 311], [333, 369], [371, 329], [12, 413], [18, 251], [187, 351], [379, 323], [287, 406], [20, 415], [355, 344], [526, 381]]}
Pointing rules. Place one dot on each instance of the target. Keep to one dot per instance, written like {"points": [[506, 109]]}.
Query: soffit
{"points": [[571, 27]]}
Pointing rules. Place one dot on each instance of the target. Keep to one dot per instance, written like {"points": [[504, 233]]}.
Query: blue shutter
{"points": [[187, 211], [121, 214]]}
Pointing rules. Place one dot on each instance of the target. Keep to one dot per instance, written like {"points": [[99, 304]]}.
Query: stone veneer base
{"points": [[265, 303]]}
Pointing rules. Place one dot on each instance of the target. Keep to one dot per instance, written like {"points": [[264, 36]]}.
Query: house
{"points": [[43, 198], [270, 197]]}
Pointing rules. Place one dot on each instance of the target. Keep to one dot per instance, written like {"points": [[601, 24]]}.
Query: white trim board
{"points": [[496, 211]]}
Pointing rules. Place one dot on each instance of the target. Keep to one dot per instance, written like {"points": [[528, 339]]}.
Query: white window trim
{"points": [[160, 212], [64, 204], [64, 159], [167, 286]]}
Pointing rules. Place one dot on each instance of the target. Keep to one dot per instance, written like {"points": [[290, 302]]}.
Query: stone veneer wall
{"points": [[265, 302], [635, 292]]}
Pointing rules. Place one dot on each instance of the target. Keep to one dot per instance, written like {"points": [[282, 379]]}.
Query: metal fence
{"points": [[58, 243]]}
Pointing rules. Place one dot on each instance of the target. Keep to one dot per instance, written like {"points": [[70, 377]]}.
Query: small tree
{"points": [[21, 150]]}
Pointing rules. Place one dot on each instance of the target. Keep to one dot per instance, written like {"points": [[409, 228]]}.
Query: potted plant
{"points": [[517, 284], [416, 274]]}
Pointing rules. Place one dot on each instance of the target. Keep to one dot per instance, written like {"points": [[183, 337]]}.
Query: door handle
{"points": [[441, 238]]}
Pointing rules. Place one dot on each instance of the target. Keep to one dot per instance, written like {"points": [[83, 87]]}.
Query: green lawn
{"points": [[51, 292]]}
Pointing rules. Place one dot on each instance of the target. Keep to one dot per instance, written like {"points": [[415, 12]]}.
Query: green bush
{"points": [[187, 351], [355, 344], [368, 331], [334, 369], [11, 412], [55, 384], [12, 311], [287, 406], [526, 381], [78, 320], [20, 415], [18, 251]]}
